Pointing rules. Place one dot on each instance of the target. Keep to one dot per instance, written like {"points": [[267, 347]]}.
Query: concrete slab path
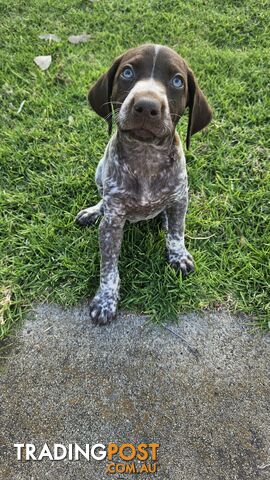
{"points": [[200, 389]]}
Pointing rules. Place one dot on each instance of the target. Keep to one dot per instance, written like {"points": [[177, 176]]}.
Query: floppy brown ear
{"points": [[200, 113], [99, 96]]}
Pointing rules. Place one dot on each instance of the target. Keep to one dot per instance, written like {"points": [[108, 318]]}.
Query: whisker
{"points": [[108, 116], [112, 102]]}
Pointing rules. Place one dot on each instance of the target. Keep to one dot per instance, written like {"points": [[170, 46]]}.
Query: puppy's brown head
{"points": [[150, 87]]}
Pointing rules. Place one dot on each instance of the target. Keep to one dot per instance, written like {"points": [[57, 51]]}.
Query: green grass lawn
{"points": [[49, 151]]}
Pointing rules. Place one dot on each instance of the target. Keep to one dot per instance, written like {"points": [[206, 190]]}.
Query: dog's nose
{"points": [[147, 107]]}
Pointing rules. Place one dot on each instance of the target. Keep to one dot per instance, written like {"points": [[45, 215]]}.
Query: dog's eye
{"points": [[127, 73], [177, 81]]}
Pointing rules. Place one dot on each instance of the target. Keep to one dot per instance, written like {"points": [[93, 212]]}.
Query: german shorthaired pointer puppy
{"points": [[143, 170]]}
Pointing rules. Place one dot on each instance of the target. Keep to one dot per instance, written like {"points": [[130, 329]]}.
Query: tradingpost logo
{"points": [[125, 458]]}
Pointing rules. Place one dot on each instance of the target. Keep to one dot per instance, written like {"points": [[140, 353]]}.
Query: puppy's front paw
{"points": [[183, 263], [103, 308]]}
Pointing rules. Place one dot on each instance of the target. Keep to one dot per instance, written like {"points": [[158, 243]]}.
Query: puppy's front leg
{"points": [[178, 256], [104, 305]]}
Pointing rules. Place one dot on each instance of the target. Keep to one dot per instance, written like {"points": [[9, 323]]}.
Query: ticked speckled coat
{"points": [[143, 170]]}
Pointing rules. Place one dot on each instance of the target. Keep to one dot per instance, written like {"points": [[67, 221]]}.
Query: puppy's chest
{"points": [[149, 197], [147, 189], [144, 191]]}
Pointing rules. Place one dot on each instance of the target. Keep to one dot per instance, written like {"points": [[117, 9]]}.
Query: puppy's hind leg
{"points": [[163, 217], [89, 215]]}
